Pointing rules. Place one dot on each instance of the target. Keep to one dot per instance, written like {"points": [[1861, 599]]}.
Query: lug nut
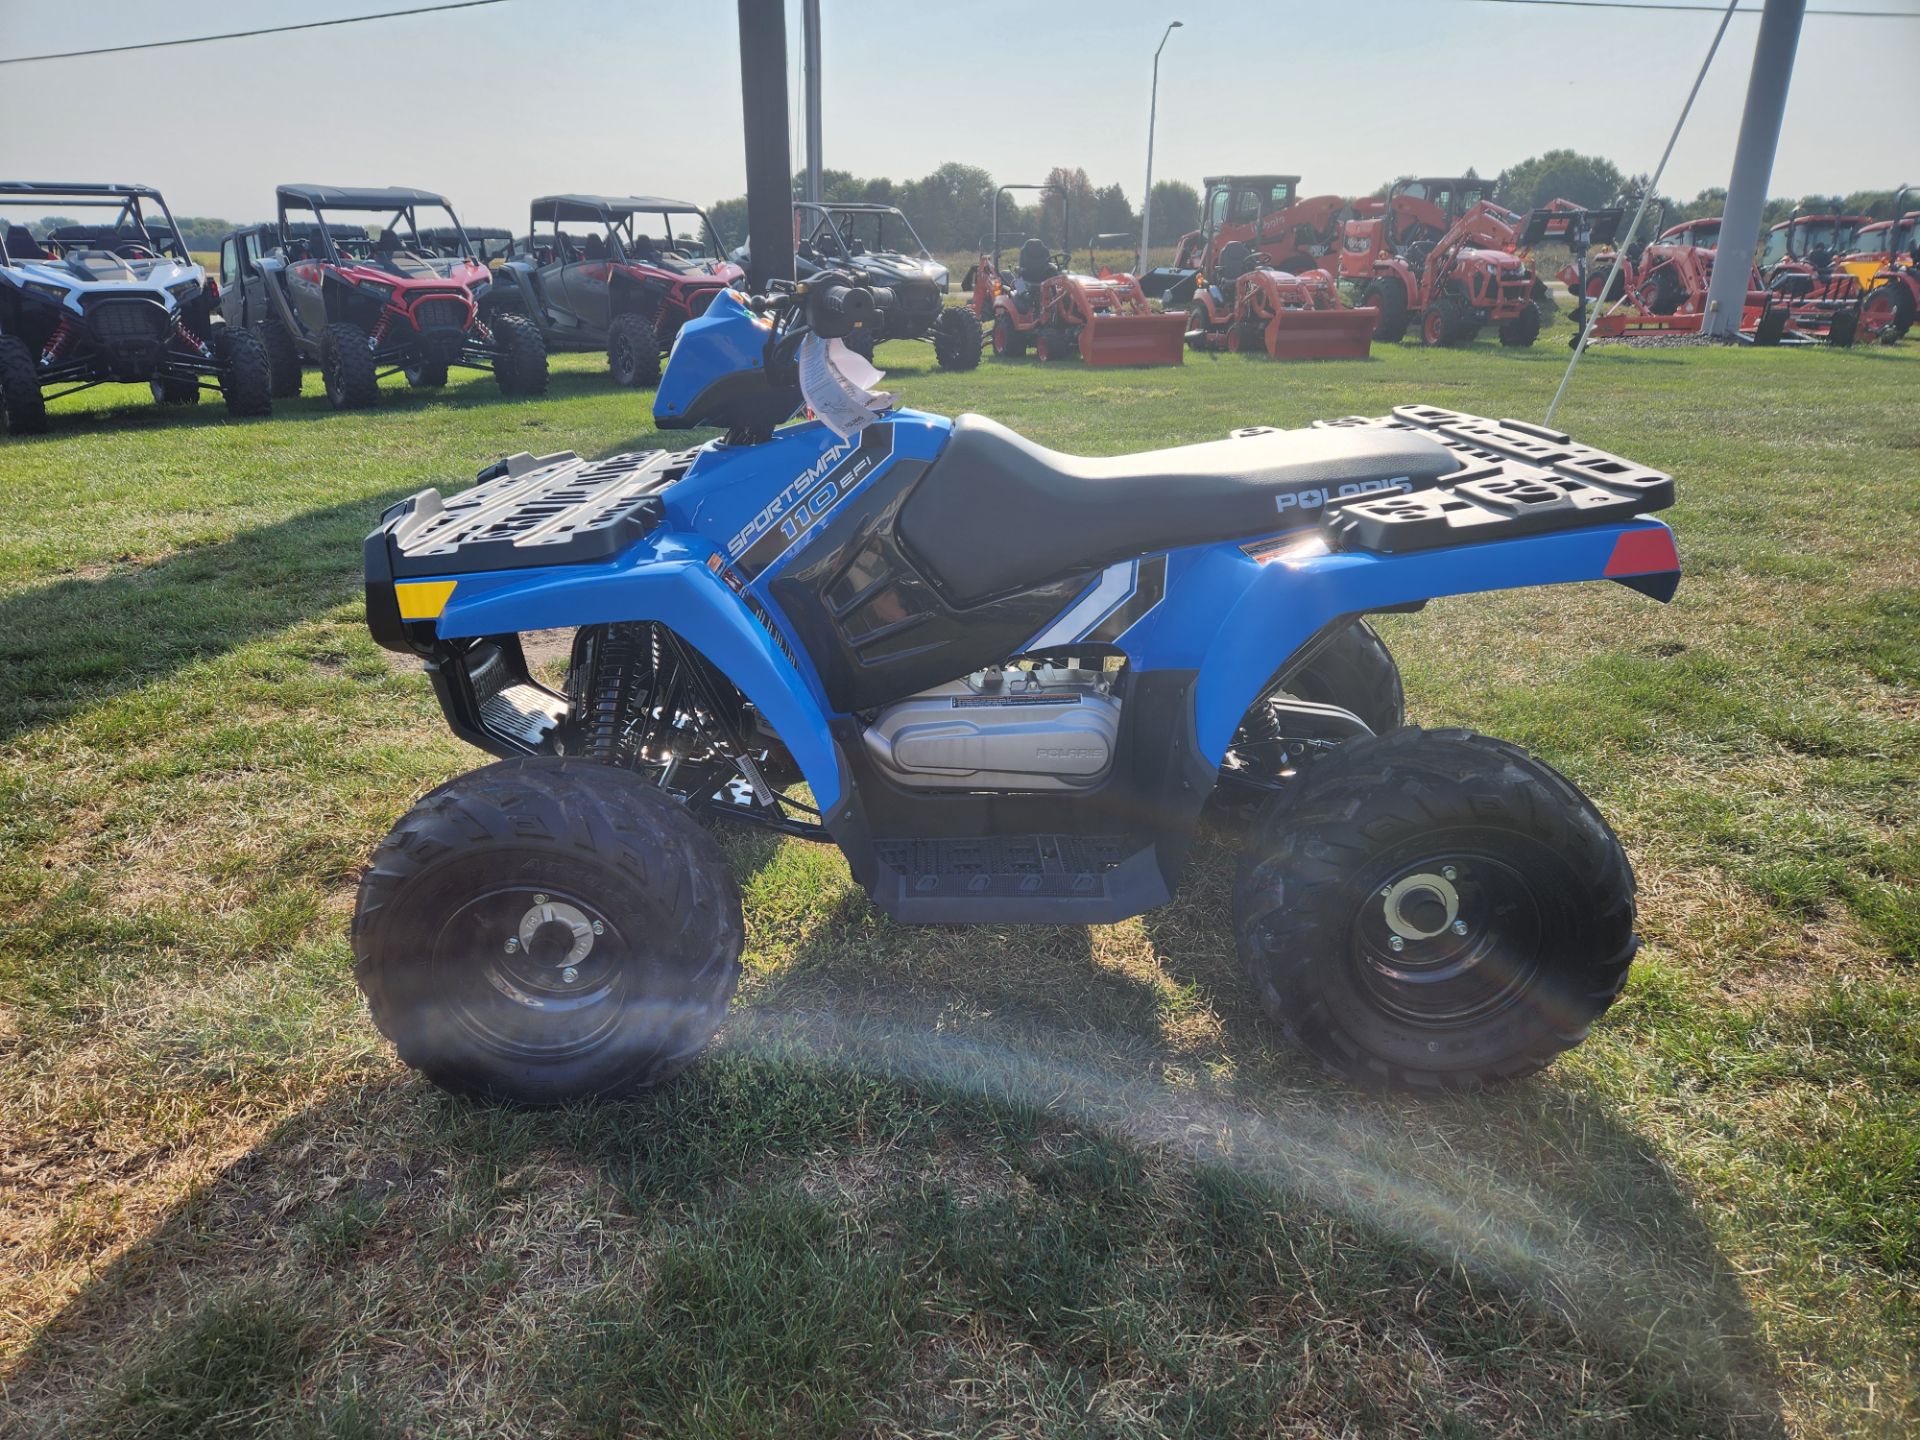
{"points": [[541, 899], [598, 928], [513, 944], [569, 975], [1449, 872], [1396, 943], [1386, 890], [1459, 927]]}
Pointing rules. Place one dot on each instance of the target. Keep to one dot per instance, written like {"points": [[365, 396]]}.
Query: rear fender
{"points": [[679, 591], [1305, 588]]}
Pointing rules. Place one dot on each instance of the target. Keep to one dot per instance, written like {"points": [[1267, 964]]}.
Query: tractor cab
{"points": [[1419, 210], [1814, 241]]}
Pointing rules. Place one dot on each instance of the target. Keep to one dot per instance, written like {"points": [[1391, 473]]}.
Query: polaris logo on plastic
{"points": [[1317, 499]]}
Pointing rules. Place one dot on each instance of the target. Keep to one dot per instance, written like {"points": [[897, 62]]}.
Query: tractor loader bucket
{"points": [[1134, 340], [1321, 334], [1169, 284]]}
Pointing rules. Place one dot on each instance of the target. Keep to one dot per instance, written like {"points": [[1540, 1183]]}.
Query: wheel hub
{"points": [[1445, 941], [555, 933], [1419, 907]]}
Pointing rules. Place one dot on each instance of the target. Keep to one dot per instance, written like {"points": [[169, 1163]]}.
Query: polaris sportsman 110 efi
{"points": [[1004, 681]]}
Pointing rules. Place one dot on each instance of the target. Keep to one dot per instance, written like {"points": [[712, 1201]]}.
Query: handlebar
{"points": [[829, 307]]}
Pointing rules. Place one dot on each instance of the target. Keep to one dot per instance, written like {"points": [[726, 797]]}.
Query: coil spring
{"points": [[58, 341]]}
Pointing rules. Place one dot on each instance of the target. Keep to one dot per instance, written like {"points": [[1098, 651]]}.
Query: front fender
{"points": [[1298, 593], [679, 591]]}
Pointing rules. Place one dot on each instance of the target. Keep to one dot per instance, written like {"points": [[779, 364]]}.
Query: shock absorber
{"points": [[59, 341], [187, 334], [379, 335]]}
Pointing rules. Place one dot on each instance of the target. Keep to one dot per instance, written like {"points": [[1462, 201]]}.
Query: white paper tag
{"points": [[836, 384]]}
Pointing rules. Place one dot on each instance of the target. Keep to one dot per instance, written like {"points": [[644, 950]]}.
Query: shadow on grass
{"points": [[75, 642]]}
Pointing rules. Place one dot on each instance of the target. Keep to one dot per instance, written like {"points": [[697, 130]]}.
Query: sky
{"points": [[493, 106]]}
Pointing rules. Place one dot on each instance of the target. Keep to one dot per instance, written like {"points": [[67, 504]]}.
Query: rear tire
{"points": [[1886, 313], [246, 377], [23, 409], [175, 390], [633, 352], [285, 357], [545, 930], [520, 366], [956, 339], [1511, 899], [347, 368], [1009, 342], [1661, 293], [1522, 330], [1389, 297]]}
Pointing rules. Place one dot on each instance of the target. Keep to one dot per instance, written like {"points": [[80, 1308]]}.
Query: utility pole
{"points": [[1153, 104], [810, 48], [1753, 162], [763, 104]]}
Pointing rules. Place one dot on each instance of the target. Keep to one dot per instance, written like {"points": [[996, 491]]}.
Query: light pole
{"points": [[1153, 103]]}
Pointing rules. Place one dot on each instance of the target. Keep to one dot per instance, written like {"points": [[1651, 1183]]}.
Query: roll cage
{"points": [[835, 221], [130, 225], [622, 241], [320, 239]]}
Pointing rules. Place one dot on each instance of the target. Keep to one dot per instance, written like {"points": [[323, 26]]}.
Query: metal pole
{"points": [[810, 43], [1153, 105], [763, 106], [1753, 163]]}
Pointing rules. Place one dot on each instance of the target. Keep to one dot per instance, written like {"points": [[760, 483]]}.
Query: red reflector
{"points": [[1643, 552]]}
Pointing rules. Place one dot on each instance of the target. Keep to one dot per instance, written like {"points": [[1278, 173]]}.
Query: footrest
{"points": [[1515, 478], [1015, 878]]}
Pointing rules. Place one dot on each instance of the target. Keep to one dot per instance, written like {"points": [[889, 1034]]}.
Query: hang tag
{"points": [[836, 384]]}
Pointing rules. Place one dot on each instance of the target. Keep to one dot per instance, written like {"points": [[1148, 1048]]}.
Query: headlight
{"points": [[184, 291], [55, 293], [379, 292], [937, 274]]}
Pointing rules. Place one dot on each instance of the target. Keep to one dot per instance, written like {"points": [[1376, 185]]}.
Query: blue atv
{"points": [[1005, 682]]}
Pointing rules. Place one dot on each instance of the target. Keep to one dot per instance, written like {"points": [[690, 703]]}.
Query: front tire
{"points": [[23, 409], [1434, 910], [426, 375], [1389, 297], [246, 376], [956, 340], [347, 368], [284, 356], [1522, 330], [545, 930], [633, 352], [520, 361]]}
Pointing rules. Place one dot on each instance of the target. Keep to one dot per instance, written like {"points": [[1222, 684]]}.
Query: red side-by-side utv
{"points": [[1438, 253], [1245, 303], [1044, 304]]}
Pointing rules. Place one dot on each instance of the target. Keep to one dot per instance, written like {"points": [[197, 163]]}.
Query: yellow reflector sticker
{"points": [[423, 599]]}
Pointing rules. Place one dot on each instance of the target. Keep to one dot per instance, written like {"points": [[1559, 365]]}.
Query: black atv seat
{"points": [[997, 513]]}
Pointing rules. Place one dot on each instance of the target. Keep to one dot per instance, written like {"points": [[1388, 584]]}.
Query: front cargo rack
{"points": [[1515, 479], [531, 511]]}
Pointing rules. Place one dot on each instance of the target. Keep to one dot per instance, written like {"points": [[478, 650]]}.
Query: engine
{"points": [[1052, 727]]}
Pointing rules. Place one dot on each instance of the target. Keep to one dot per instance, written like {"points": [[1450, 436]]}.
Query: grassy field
{"points": [[960, 1182]]}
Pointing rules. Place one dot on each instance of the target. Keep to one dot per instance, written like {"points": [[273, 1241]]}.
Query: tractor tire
{"points": [[1522, 330], [1661, 293], [246, 376], [23, 409], [1434, 910], [956, 339], [426, 375], [521, 366], [546, 930], [1543, 301], [284, 355], [175, 390], [1009, 343], [1886, 312], [1446, 322], [346, 368], [633, 352], [1389, 297]]}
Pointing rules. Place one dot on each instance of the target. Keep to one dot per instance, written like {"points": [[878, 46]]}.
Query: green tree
{"points": [[1590, 180], [1112, 214], [1176, 210]]}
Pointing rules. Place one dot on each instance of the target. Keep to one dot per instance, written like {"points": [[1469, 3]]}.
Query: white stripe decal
{"points": [[1116, 584]]}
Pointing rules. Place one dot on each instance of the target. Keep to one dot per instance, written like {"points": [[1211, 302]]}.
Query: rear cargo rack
{"points": [[1515, 479], [528, 511]]}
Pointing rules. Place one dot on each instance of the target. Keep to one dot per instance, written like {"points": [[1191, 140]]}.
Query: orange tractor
{"points": [[1261, 212], [1045, 305], [1437, 252], [1661, 287], [1885, 260], [1800, 264], [1251, 304]]}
